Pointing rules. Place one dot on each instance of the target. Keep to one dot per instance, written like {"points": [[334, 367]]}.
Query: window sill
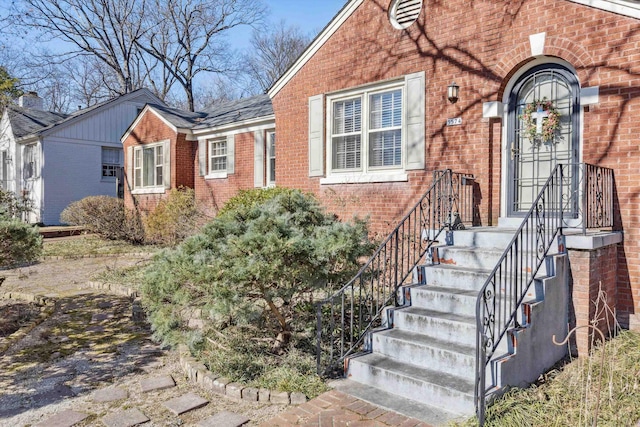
{"points": [[156, 190], [364, 178], [217, 175]]}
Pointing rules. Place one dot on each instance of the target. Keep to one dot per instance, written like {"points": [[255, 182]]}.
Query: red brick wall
{"points": [[593, 278], [151, 129], [480, 49], [213, 193]]}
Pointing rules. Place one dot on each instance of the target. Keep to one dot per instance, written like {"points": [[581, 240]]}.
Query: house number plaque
{"points": [[454, 122]]}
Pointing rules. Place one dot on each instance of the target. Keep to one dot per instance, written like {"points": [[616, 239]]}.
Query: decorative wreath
{"points": [[550, 126]]}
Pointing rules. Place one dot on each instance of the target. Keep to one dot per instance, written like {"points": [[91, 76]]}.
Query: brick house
{"points": [[369, 111], [216, 152], [533, 149]]}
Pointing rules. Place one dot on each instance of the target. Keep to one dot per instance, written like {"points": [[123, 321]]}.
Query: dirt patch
{"points": [[14, 315]]}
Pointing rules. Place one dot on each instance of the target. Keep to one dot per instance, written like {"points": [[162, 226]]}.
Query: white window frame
{"points": [[211, 157], [30, 151], [365, 173], [158, 148], [270, 155], [110, 166], [4, 171]]}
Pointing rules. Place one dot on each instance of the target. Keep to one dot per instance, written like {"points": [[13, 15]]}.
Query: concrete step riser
{"points": [[483, 239], [467, 280], [412, 389], [442, 329], [434, 299], [461, 365], [463, 333], [485, 260]]}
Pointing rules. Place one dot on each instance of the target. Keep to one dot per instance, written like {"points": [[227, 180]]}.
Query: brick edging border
{"points": [[198, 373], [119, 255]]}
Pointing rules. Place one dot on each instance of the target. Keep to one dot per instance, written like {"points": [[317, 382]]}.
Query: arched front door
{"points": [[544, 94]]}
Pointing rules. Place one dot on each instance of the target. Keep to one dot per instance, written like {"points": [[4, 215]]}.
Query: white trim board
{"points": [[622, 7]]}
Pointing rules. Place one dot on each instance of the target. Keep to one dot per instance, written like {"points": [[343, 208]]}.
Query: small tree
{"points": [[258, 264]]}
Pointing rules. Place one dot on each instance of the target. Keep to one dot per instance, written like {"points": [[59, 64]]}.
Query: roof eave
{"points": [[234, 126]]}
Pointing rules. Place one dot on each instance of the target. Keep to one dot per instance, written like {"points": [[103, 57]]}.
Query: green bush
{"points": [[254, 273], [10, 206], [252, 197], [105, 216], [174, 219], [20, 243]]}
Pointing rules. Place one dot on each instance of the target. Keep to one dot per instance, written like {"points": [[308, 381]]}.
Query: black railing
{"points": [[556, 207], [597, 200], [345, 319]]}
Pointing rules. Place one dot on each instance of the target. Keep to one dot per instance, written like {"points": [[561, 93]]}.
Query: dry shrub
{"points": [[105, 216], [174, 218]]}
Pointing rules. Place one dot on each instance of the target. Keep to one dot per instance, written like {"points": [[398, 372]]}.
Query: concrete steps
{"points": [[428, 354], [408, 380]]}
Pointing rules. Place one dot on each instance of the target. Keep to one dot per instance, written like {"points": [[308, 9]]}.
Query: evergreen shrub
{"points": [[20, 243], [254, 273]]}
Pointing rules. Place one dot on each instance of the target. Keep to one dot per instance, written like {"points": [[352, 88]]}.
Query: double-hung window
{"points": [[372, 133], [366, 132], [271, 159], [110, 162], [148, 166], [30, 162], [217, 156]]}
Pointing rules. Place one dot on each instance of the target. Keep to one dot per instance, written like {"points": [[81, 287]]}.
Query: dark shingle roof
{"points": [[26, 121], [237, 111], [179, 118]]}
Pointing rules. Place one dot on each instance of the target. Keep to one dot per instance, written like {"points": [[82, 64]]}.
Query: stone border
{"points": [[47, 307], [198, 373], [114, 288], [118, 255]]}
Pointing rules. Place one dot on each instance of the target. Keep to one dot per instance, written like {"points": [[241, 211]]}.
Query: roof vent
{"points": [[403, 13]]}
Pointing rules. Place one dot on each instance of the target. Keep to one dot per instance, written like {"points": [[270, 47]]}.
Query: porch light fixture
{"points": [[453, 90]]}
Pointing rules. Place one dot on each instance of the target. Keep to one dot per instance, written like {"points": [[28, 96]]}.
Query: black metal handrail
{"points": [[504, 291], [345, 319]]}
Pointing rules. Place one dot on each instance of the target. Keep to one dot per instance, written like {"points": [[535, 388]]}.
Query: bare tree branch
{"points": [[188, 36]]}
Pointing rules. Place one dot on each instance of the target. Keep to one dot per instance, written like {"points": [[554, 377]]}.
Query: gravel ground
{"points": [[88, 343]]}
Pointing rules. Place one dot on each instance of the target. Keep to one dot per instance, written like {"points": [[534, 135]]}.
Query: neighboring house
{"points": [[52, 159], [369, 111], [217, 152]]}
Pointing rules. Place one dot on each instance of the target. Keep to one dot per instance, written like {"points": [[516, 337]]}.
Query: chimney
{"points": [[31, 100]]}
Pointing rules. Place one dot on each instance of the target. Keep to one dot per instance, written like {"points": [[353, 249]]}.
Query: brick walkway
{"points": [[335, 408]]}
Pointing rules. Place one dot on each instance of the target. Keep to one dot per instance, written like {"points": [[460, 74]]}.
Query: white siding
{"points": [[71, 172], [107, 124]]}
